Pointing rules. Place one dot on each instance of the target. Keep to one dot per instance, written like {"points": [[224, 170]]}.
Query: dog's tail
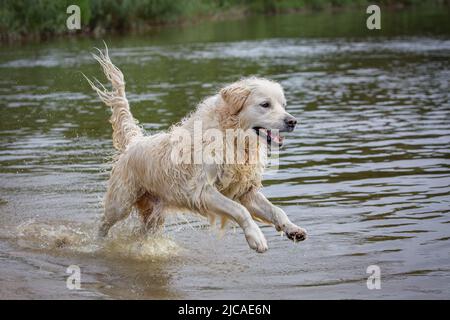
{"points": [[125, 127]]}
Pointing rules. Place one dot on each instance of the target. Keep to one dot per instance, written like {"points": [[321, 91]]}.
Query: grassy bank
{"points": [[41, 19]]}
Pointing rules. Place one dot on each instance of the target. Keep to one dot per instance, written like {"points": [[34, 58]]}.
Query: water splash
{"points": [[81, 239]]}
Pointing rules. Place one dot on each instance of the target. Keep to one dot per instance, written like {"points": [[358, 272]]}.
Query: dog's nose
{"points": [[290, 121]]}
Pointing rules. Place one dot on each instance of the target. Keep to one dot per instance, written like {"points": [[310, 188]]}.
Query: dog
{"points": [[146, 177]]}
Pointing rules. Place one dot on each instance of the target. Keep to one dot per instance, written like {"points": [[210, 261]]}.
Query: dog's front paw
{"points": [[256, 239], [296, 234]]}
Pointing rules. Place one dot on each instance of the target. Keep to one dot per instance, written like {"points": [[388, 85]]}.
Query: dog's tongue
{"points": [[276, 137]]}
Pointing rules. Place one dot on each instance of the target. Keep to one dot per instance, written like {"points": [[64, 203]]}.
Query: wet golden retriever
{"points": [[148, 177]]}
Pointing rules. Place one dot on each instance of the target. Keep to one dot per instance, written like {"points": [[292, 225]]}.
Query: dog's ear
{"points": [[235, 96]]}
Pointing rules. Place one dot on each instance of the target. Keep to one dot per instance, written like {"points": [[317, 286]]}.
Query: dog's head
{"points": [[259, 104]]}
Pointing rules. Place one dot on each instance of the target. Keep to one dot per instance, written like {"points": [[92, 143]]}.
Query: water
{"points": [[367, 171]]}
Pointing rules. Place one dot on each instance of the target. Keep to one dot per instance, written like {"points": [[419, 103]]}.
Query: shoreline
{"points": [[235, 12]]}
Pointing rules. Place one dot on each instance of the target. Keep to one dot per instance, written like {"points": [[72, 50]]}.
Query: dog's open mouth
{"points": [[273, 137]]}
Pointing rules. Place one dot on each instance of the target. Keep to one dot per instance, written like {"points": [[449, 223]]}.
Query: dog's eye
{"points": [[265, 104]]}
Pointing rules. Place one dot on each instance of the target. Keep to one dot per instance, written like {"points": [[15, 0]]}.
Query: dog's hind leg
{"points": [[150, 210], [118, 203]]}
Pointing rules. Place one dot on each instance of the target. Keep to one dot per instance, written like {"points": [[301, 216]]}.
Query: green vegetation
{"points": [[44, 18]]}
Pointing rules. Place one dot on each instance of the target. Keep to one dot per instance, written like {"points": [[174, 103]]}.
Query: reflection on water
{"points": [[366, 172]]}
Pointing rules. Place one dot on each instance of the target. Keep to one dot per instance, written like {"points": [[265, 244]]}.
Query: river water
{"points": [[366, 172]]}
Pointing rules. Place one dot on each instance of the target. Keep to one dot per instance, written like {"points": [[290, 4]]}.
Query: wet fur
{"points": [[144, 176]]}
